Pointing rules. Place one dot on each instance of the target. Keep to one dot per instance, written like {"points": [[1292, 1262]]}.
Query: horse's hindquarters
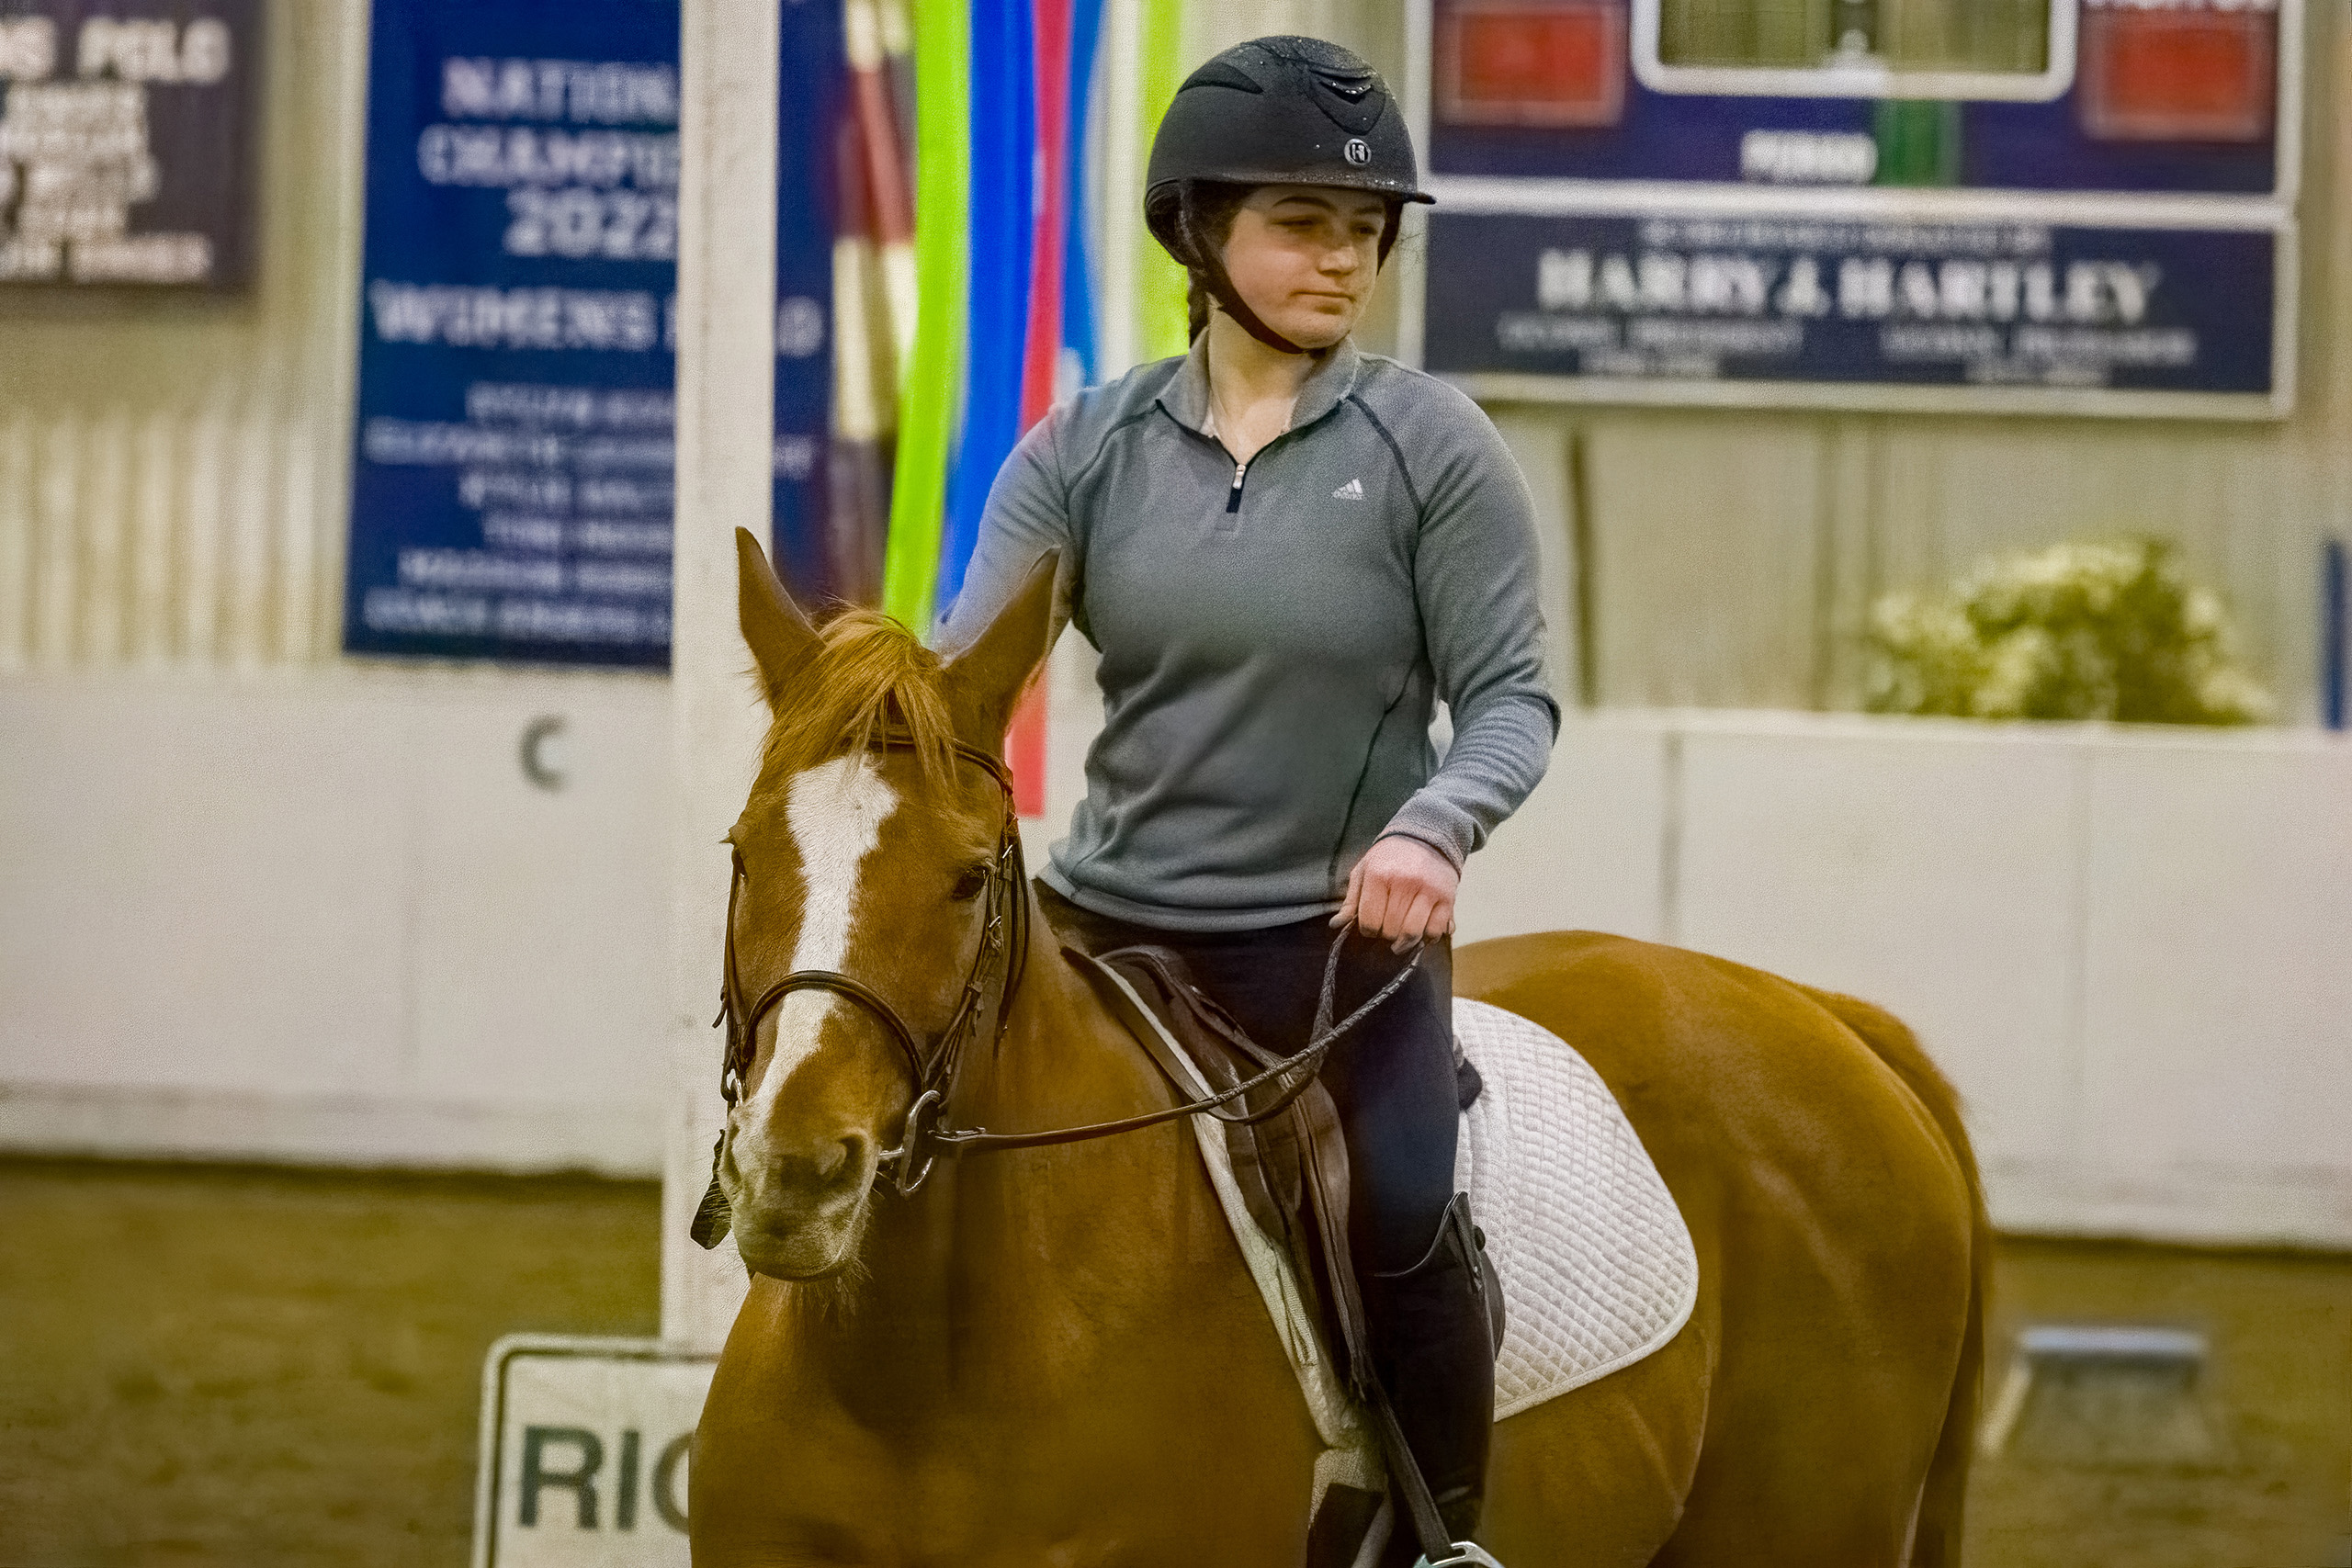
{"points": [[1834, 1223]]}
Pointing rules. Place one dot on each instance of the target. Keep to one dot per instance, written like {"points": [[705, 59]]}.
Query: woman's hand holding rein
{"points": [[1402, 891]]}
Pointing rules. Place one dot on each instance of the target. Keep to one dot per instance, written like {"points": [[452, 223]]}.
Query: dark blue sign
{"points": [[2153, 95], [1698, 137], [1728, 298], [512, 473], [1646, 198], [126, 143]]}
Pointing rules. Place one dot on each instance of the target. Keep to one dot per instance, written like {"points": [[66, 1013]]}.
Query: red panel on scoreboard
{"points": [[1549, 63], [2179, 75]]}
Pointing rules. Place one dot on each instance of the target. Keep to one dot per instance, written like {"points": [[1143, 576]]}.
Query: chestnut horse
{"points": [[1058, 1356]]}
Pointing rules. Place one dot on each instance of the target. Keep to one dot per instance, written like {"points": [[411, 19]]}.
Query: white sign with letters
{"points": [[585, 1449]]}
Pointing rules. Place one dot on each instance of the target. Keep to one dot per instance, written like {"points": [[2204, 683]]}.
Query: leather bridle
{"points": [[1004, 948]]}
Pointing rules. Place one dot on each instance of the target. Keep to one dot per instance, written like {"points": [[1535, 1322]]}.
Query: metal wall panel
{"points": [[1713, 519]]}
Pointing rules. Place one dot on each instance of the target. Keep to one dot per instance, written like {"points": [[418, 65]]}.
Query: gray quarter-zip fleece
{"points": [[1275, 638]]}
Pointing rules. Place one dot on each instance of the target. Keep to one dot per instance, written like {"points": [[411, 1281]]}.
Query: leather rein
{"points": [[1003, 948]]}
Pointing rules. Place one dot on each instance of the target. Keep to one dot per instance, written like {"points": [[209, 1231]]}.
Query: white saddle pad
{"points": [[1597, 1266]]}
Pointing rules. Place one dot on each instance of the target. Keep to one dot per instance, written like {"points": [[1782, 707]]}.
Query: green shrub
{"points": [[2089, 630]]}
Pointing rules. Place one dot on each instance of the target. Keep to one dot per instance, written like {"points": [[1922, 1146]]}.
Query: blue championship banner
{"points": [[513, 474], [126, 143], [1784, 300]]}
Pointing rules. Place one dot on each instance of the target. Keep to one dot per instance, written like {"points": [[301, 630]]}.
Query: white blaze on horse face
{"points": [[836, 810]]}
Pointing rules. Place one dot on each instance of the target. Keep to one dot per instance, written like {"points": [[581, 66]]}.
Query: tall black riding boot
{"points": [[1435, 1329]]}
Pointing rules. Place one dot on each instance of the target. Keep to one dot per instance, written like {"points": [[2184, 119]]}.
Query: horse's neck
{"points": [[1065, 1061], [1004, 1258]]}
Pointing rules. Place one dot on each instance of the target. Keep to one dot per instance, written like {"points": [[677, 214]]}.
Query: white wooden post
{"points": [[726, 437]]}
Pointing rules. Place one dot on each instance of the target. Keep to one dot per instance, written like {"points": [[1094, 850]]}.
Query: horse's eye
{"points": [[969, 885]]}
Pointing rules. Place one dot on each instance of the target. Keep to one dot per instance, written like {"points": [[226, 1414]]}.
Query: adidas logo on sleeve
{"points": [[1351, 491]]}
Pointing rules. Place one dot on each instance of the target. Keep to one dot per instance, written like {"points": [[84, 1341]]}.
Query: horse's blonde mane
{"points": [[870, 677]]}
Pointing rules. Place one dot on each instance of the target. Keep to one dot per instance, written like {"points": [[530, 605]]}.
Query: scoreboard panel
{"points": [[2064, 205]]}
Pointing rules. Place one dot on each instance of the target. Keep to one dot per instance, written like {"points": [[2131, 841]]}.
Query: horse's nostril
{"points": [[824, 1171], [821, 1173], [829, 1163]]}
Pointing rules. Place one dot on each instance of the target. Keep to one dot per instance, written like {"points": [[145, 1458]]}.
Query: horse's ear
{"points": [[986, 679], [782, 640]]}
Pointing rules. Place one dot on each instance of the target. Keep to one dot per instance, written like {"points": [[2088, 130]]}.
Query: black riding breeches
{"points": [[1391, 1078]]}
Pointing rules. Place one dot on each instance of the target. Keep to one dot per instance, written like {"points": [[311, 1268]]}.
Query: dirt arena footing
{"points": [[240, 1367]]}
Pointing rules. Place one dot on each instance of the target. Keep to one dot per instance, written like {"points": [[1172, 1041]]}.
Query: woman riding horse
{"points": [[982, 1331], [1288, 553]]}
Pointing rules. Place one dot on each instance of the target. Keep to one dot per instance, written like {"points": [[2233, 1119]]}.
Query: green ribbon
{"points": [[1159, 282], [927, 396]]}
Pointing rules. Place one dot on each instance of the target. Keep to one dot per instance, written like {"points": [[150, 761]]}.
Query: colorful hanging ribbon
{"points": [[1005, 208], [947, 160], [1159, 282], [1078, 338]]}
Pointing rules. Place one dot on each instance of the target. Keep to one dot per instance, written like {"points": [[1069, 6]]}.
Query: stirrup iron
{"points": [[1466, 1554]]}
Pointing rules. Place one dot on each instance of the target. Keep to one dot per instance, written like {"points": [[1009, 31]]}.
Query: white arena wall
{"points": [[330, 919], [326, 917], [2132, 953]]}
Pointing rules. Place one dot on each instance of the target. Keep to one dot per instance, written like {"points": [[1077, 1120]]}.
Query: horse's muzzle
{"points": [[797, 1215]]}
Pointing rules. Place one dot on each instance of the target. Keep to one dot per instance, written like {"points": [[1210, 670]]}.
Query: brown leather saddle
{"points": [[1290, 1162], [1284, 1144]]}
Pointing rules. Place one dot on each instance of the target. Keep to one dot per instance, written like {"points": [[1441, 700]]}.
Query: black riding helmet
{"points": [[1279, 111]]}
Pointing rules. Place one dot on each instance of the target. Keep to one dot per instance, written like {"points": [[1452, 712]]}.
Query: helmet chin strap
{"points": [[1229, 300], [1228, 297]]}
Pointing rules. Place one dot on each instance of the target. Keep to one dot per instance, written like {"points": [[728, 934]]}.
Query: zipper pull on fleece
{"points": [[1233, 496]]}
